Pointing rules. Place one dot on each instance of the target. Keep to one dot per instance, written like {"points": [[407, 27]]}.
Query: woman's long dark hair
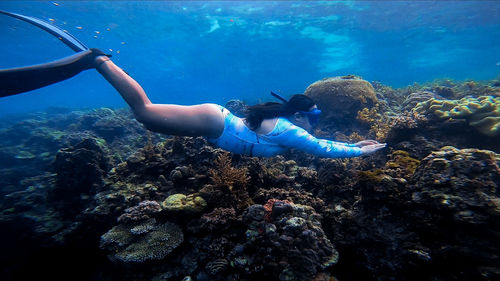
{"points": [[257, 113]]}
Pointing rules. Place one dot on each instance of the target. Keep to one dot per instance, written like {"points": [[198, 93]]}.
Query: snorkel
{"points": [[312, 115]]}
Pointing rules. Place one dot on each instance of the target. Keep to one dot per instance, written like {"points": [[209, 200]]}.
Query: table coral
{"points": [[227, 175], [482, 113], [139, 242]]}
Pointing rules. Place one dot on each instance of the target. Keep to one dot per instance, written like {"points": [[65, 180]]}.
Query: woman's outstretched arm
{"points": [[292, 136], [195, 120]]}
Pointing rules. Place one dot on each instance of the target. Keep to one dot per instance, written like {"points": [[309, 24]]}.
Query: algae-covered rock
{"points": [[342, 97], [80, 171], [191, 203], [456, 192], [462, 181], [482, 113]]}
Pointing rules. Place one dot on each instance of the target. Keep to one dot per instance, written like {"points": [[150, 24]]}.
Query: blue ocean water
{"points": [[189, 52]]}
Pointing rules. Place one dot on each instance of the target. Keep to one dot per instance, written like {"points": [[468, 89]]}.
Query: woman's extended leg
{"points": [[195, 120]]}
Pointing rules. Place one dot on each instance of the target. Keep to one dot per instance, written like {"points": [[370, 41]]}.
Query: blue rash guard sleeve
{"points": [[288, 135]]}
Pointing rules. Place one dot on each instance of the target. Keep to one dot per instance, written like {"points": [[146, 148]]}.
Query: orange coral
{"points": [[269, 207]]}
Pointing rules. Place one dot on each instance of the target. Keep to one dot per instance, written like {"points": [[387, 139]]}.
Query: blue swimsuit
{"points": [[238, 138]]}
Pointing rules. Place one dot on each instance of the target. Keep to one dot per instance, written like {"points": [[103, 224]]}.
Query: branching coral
{"points": [[149, 148], [234, 179], [228, 176]]}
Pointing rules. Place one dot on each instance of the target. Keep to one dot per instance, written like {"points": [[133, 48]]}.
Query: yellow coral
{"points": [[379, 123], [374, 176], [402, 161], [355, 137], [482, 113], [191, 203]]}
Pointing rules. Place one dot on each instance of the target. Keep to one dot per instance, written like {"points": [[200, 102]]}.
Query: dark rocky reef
{"points": [[94, 196]]}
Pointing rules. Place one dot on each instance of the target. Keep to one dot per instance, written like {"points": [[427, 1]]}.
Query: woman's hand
{"points": [[95, 58], [370, 148], [100, 60], [365, 143]]}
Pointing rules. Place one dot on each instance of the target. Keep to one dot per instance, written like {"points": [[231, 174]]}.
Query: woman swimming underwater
{"points": [[267, 129]]}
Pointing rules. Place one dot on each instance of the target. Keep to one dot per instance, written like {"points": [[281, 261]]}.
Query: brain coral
{"points": [[482, 113], [342, 97]]}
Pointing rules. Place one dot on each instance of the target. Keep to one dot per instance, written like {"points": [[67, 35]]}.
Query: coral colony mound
{"points": [[92, 195]]}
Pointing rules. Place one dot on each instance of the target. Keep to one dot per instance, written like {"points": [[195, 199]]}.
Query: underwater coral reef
{"points": [[92, 195]]}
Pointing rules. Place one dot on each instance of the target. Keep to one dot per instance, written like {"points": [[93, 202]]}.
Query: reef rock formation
{"points": [[419, 210], [80, 171], [433, 219], [457, 194], [283, 243]]}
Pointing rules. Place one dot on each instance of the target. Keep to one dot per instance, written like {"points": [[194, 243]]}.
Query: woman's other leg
{"points": [[195, 120]]}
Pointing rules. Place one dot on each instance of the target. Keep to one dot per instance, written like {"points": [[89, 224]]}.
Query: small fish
{"points": [[111, 50], [95, 36], [52, 20], [55, 3], [98, 32], [108, 29], [117, 51], [79, 27], [123, 43]]}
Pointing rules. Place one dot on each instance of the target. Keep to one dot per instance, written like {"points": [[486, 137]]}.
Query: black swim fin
{"points": [[22, 79], [62, 35]]}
